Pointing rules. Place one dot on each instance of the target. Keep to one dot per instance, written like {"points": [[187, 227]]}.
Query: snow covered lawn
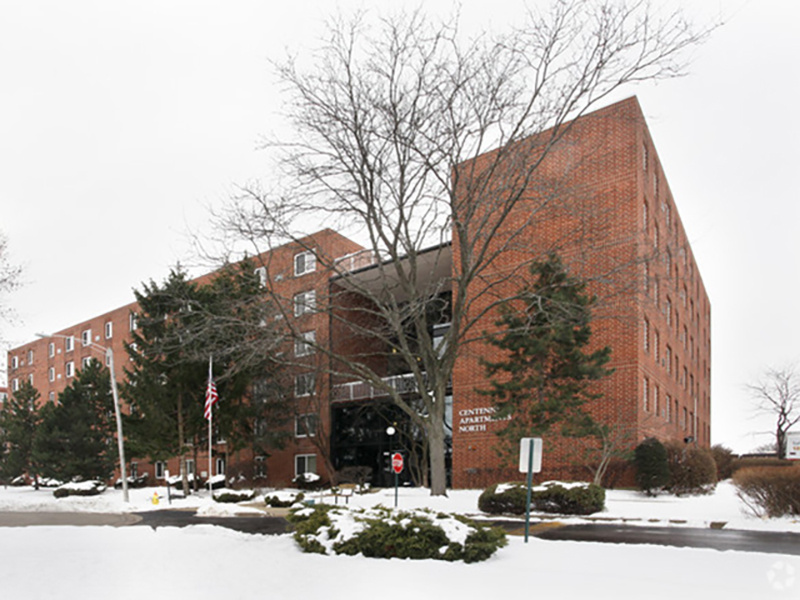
{"points": [[211, 562], [206, 562]]}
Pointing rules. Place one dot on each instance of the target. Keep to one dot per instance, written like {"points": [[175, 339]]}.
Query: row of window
{"points": [[303, 463], [304, 263], [669, 409]]}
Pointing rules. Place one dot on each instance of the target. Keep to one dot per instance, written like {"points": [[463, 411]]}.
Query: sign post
{"points": [[530, 461], [397, 467]]}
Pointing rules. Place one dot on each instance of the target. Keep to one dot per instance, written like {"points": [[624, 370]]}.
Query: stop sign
{"points": [[397, 462]]}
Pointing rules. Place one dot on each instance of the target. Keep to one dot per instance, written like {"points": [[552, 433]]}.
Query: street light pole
{"points": [[109, 354]]}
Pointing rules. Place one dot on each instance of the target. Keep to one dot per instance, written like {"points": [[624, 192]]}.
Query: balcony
{"points": [[359, 390]]}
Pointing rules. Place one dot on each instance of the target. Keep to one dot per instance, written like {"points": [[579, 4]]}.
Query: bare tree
{"points": [[425, 147], [778, 394], [9, 277]]}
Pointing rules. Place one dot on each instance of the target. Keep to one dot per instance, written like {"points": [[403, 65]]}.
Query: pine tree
{"points": [[544, 377], [75, 439], [181, 323], [19, 420]]}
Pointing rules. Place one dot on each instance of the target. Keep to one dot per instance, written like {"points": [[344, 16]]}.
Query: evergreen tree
{"points": [[543, 378], [652, 465], [75, 439], [181, 324], [19, 420]]}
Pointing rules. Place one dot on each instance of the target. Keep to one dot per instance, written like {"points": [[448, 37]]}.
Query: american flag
{"points": [[211, 397]]}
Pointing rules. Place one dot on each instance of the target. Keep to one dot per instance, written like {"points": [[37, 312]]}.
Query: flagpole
{"points": [[210, 420]]}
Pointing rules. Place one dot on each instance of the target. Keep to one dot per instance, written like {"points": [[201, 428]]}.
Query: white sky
{"points": [[120, 122]]}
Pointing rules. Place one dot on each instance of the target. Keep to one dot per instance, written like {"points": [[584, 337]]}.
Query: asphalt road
{"points": [[770, 542]]}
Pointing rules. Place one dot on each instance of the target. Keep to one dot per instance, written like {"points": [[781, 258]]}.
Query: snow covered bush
{"points": [[574, 498], [769, 491], [233, 496], [308, 481], [381, 532], [283, 499], [81, 488]]}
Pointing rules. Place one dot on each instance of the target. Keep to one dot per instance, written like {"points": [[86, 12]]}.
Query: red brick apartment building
{"points": [[621, 230]]}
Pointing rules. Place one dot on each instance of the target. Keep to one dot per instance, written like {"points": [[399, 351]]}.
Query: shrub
{"points": [[692, 469], [233, 496], [769, 491], [759, 461], [287, 501], [724, 459], [550, 497], [384, 533], [652, 468], [83, 488], [308, 481]]}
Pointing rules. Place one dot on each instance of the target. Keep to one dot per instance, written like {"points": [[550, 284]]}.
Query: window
{"points": [[15, 385], [15, 362], [70, 369], [220, 465], [655, 237], [161, 468], [683, 419], [52, 396], [132, 322], [656, 344], [669, 311], [108, 359], [261, 273], [30, 357], [644, 157], [86, 337], [86, 361], [305, 302], [645, 395], [668, 215], [655, 184], [304, 384], [656, 404], [655, 291], [109, 330], [668, 359], [646, 331], [51, 374], [685, 377], [30, 378], [190, 466], [305, 463], [305, 262], [668, 260], [668, 407], [51, 349], [305, 425], [69, 344], [645, 214], [304, 347]]}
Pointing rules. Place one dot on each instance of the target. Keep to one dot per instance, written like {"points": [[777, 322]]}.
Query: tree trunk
{"points": [[182, 446], [435, 430]]}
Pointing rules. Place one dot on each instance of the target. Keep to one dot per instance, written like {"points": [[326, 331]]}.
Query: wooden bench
{"points": [[344, 490]]}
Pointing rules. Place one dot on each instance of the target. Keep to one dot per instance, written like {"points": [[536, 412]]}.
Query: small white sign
{"points": [[524, 453], [793, 445]]}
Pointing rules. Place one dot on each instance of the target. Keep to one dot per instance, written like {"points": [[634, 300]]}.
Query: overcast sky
{"points": [[121, 121]]}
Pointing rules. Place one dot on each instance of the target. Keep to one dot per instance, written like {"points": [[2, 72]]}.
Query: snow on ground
{"points": [[631, 506], [206, 562]]}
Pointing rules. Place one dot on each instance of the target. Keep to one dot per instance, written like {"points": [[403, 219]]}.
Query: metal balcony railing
{"points": [[358, 390]]}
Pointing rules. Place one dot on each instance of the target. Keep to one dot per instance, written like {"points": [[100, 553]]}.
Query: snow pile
{"points": [[217, 509]]}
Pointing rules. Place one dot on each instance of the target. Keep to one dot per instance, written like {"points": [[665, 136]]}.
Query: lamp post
{"points": [[109, 353]]}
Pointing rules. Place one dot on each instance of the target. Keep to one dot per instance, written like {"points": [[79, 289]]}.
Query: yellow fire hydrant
{"points": [[155, 497]]}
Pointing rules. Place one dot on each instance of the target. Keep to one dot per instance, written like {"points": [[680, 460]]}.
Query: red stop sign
{"points": [[397, 462]]}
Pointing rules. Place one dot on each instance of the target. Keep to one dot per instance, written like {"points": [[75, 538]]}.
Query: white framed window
{"points": [[261, 273], [644, 156], [161, 468], [15, 362], [51, 349], [70, 369], [52, 396], [30, 357], [304, 262], [646, 340], [189, 466], [646, 394], [15, 385], [220, 465], [109, 330], [303, 346], [656, 345], [86, 337], [668, 407], [69, 343], [51, 374], [304, 384], [30, 378], [132, 321], [656, 403], [305, 302], [305, 425], [260, 467], [86, 361], [305, 463], [108, 359]]}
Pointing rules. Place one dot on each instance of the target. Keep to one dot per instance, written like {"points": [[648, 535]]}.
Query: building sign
{"points": [[793, 445], [474, 420]]}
